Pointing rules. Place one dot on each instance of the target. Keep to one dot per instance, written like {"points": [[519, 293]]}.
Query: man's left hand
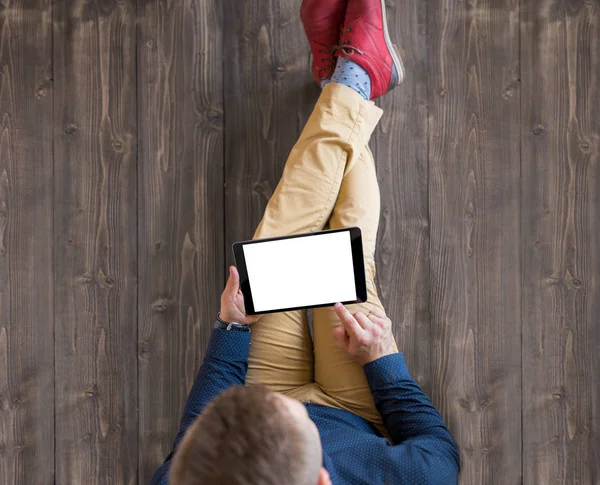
{"points": [[232, 301]]}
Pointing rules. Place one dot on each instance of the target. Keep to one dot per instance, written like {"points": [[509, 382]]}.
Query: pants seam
{"points": [[352, 134]]}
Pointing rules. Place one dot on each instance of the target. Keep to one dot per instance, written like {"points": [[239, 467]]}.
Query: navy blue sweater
{"points": [[354, 452]]}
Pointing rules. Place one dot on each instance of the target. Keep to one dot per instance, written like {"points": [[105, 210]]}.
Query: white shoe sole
{"points": [[395, 56]]}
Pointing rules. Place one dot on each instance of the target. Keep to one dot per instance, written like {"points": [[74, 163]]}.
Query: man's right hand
{"points": [[365, 338]]}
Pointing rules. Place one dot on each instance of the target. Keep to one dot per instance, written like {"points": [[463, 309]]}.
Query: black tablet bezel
{"points": [[357, 260]]}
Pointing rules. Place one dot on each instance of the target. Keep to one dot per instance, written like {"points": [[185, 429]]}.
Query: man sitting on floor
{"points": [[272, 404]]}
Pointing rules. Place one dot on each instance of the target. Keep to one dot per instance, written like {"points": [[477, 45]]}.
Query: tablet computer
{"points": [[311, 270]]}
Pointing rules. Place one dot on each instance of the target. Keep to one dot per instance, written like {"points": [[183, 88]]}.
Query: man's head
{"points": [[249, 435]]}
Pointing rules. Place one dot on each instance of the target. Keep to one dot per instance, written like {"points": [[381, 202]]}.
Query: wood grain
{"points": [[180, 207], [474, 217], [399, 145], [141, 138], [269, 91], [95, 242], [560, 133], [26, 283]]}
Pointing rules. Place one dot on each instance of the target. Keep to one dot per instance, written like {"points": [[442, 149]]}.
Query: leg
{"points": [[281, 355], [336, 373]]}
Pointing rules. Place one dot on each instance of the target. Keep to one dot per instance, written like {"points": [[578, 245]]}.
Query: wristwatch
{"points": [[240, 327]]}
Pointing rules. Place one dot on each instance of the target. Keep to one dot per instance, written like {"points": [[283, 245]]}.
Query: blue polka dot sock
{"points": [[352, 75]]}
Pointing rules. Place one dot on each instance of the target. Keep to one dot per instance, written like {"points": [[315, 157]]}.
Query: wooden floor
{"points": [[139, 141]]}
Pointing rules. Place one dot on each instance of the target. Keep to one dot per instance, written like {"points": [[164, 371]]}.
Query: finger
{"points": [[348, 321], [378, 313], [381, 324], [379, 321], [363, 321]]}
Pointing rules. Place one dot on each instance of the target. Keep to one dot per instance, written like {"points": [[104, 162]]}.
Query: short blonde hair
{"points": [[245, 437]]}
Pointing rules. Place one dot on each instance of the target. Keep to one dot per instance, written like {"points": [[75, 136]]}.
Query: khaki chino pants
{"points": [[329, 182]]}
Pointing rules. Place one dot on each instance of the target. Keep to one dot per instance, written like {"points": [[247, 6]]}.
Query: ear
{"points": [[324, 478]]}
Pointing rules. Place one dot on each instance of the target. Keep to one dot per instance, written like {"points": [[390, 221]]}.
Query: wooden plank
{"points": [[400, 148], [26, 282], [269, 95], [180, 208], [560, 131], [95, 236], [474, 206]]}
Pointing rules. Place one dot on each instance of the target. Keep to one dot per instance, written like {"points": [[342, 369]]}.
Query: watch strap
{"points": [[240, 327]]}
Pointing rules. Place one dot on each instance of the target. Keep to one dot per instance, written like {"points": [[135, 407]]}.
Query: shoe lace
{"points": [[345, 45], [325, 68]]}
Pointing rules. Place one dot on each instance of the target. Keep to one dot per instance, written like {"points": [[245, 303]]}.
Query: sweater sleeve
{"points": [[225, 365], [422, 442]]}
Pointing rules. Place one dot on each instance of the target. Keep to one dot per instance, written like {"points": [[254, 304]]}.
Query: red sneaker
{"points": [[365, 40], [322, 21]]}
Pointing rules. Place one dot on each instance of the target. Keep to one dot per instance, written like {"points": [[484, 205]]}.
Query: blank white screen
{"points": [[302, 271]]}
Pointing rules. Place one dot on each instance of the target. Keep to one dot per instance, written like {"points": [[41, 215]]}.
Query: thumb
{"points": [[340, 336], [234, 279]]}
